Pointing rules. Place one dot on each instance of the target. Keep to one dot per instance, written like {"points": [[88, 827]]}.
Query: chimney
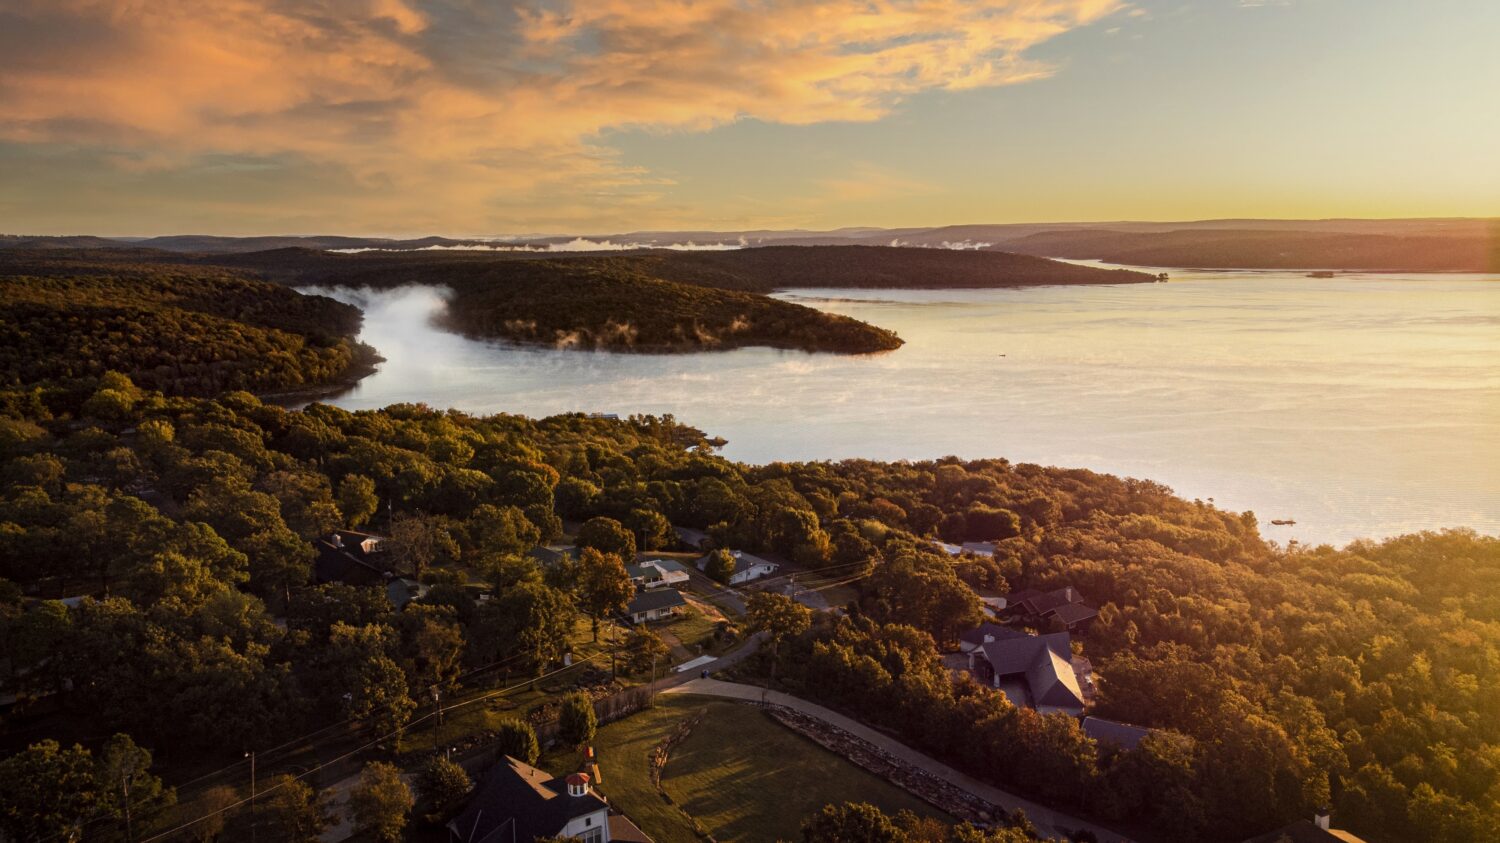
{"points": [[578, 784], [337, 540], [1321, 817]]}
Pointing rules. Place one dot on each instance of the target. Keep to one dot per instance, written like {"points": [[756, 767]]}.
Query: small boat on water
{"points": [[1283, 522], [1322, 273]]}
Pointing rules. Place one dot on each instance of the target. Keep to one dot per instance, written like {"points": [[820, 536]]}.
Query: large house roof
{"points": [[1072, 613], [649, 573], [1122, 735], [537, 803], [662, 598], [1045, 661], [1305, 831], [977, 635], [1043, 603], [342, 558]]}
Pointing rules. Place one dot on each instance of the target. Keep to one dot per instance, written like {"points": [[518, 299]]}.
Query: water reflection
{"points": [[1359, 406]]}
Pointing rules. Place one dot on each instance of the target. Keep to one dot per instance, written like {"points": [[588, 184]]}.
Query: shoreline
{"points": [[366, 362]]}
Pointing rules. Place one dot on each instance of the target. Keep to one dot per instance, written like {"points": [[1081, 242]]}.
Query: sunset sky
{"points": [[139, 117]]}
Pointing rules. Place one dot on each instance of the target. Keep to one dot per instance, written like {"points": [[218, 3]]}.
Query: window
{"points": [[593, 835]]}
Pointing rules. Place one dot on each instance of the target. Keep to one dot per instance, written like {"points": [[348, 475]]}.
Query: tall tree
{"points": [[128, 792], [47, 792], [357, 499], [418, 541], [380, 802], [603, 585], [300, 813], [576, 722], [607, 535], [441, 783], [517, 739]]}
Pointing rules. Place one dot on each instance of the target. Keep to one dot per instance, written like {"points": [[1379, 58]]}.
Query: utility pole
{"points": [[251, 756], [437, 698], [125, 791]]}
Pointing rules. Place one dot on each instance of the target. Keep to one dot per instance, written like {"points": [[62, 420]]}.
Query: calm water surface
{"points": [[1364, 405]]}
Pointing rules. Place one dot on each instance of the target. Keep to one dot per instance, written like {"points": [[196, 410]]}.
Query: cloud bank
{"points": [[460, 113]]}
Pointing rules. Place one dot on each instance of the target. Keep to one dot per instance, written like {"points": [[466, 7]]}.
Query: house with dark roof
{"points": [[401, 591], [1315, 830], [747, 567], [1122, 735], [656, 573], [1064, 606], [654, 605], [352, 558], [1034, 671], [553, 554], [517, 803], [975, 638]]}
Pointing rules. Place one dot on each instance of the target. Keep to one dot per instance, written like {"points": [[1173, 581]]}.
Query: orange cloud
{"points": [[484, 106]]}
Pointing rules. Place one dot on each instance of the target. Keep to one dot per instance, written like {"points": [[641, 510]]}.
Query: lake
{"points": [[1360, 406]]}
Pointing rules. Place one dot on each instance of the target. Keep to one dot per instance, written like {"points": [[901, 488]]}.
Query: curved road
{"points": [[1047, 820]]}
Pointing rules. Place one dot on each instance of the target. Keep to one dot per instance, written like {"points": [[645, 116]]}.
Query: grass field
{"points": [[742, 775]]}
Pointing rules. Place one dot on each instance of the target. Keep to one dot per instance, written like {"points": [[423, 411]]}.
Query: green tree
{"points": [[779, 617], [128, 792], [517, 739], [215, 806], [497, 529], [380, 802], [851, 822], [643, 648], [357, 499], [653, 528], [441, 783], [603, 585], [432, 643], [417, 541], [607, 535], [983, 523], [300, 813], [576, 721], [362, 675], [531, 619], [47, 792], [720, 565]]}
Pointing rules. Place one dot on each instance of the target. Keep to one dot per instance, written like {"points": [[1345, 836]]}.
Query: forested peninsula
{"points": [[180, 329], [645, 301]]}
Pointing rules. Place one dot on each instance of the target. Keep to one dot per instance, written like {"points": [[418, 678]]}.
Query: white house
{"points": [[746, 567], [654, 605], [657, 573], [515, 801]]}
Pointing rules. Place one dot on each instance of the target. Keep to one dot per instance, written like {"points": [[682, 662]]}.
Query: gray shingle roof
{"points": [[661, 598], [514, 791], [1122, 735]]}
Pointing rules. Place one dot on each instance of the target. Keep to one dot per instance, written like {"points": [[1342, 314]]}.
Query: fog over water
{"points": [[1364, 405]]}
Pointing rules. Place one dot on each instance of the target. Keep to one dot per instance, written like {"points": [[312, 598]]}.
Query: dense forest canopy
{"points": [[1278, 678], [184, 330]]}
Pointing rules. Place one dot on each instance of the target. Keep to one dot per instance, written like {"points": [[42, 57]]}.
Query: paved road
{"points": [[1047, 820]]}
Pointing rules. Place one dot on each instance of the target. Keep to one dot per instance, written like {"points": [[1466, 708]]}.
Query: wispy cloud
{"points": [[493, 111]]}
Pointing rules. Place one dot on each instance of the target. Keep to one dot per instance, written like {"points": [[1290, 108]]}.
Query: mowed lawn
{"points": [[741, 774]]}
